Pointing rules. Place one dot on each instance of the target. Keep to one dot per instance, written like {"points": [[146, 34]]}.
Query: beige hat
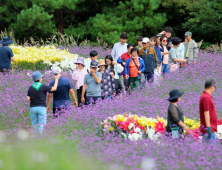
{"points": [[101, 62]]}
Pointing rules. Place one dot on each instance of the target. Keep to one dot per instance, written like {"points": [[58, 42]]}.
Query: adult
{"points": [[165, 53], [93, 57], [182, 51], [174, 55], [37, 97], [61, 99], [120, 47], [208, 115], [175, 114], [168, 32], [107, 84], [6, 55], [79, 75], [191, 48], [92, 85], [122, 60], [139, 42], [113, 65], [118, 85], [149, 56], [134, 68]]}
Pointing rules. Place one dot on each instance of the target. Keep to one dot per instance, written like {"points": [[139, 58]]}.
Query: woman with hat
{"points": [[175, 114], [107, 83], [37, 97], [6, 55], [78, 75]]}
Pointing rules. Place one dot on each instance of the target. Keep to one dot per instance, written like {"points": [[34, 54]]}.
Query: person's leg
{"points": [[131, 83], [88, 100], [42, 117], [96, 99], [34, 118], [121, 78], [150, 77], [137, 83], [79, 95], [56, 112]]}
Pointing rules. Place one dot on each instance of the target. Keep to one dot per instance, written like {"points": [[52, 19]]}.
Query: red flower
{"points": [[160, 127], [219, 122], [125, 126]]}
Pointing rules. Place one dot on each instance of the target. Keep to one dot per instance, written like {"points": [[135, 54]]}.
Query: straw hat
{"points": [[101, 62]]}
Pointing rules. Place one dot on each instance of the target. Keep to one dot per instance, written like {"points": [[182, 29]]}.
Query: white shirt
{"points": [[182, 50], [118, 50], [118, 69]]}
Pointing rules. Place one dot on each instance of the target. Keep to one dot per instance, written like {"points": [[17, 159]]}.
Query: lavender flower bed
{"points": [[81, 124]]}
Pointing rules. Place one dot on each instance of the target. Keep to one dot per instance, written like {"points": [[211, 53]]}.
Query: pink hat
{"points": [[80, 60]]}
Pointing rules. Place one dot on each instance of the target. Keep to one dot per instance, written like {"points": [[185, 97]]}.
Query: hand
{"points": [[184, 60], [114, 93], [170, 45], [121, 95], [187, 130], [48, 109], [82, 99], [194, 62], [92, 71], [124, 63], [127, 76], [139, 72], [114, 62], [57, 76], [75, 103], [163, 32]]}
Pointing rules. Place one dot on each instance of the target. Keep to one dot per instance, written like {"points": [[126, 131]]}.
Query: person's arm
{"points": [[49, 101], [120, 61], [184, 126], [195, 52], [54, 88], [156, 60], [71, 91], [180, 60], [164, 53], [113, 53], [83, 93], [28, 99], [127, 69], [207, 118], [12, 59], [118, 68], [98, 80]]}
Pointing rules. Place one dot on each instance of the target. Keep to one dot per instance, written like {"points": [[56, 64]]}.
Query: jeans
{"points": [[92, 99], [211, 138], [38, 118], [165, 68], [149, 76], [58, 111]]}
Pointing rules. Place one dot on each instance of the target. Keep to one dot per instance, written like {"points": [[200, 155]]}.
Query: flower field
{"points": [[77, 128]]}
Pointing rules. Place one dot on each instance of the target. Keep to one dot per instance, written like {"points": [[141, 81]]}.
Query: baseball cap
{"points": [[146, 40], [56, 70], [188, 33], [94, 64], [37, 76]]}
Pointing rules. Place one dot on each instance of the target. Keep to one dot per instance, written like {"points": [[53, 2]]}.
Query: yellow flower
{"points": [[111, 129]]}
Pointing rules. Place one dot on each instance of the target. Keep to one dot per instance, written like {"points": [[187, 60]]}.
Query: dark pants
{"points": [[58, 111], [5, 70], [149, 76], [79, 96], [92, 99]]}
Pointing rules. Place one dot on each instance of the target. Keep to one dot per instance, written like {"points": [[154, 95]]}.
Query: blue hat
{"points": [[37, 76], [6, 41], [94, 64], [175, 94]]}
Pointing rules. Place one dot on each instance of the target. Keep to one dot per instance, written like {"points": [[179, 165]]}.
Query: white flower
{"points": [[135, 137], [2, 137], [22, 134], [151, 133], [157, 136], [131, 125], [123, 135], [147, 164], [137, 130]]}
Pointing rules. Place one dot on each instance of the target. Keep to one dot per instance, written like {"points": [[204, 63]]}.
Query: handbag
{"points": [[173, 66], [142, 76]]}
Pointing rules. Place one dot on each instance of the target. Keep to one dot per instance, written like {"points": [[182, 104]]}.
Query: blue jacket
{"points": [[142, 66], [120, 61], [159, 55]]}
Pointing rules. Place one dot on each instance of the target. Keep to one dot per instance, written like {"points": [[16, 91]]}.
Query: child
{"points": [[118, 85]]}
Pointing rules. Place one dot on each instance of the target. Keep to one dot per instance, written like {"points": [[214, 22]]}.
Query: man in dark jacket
{"points": [[149, 56]]}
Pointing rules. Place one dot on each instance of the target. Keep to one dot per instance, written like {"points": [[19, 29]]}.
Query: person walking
{"points": [[61, 99], [165, 53], [168, 32], [175, 115], [79, 75], [93, 57], [174, 55], [208, 114], [122, 60], [92, 85], [134, 68], [139, 42], [37, 97], [120, 47], [191, 48], [118, 85], [113, 65], [182, 51], [107, 84], [149, 56], [6, 55]]}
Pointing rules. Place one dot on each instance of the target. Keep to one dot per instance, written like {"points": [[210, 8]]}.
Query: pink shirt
{"points": [[165, 57], [79, 76]]}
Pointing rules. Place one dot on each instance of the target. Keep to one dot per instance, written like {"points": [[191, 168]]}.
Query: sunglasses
{"points": [[144, 43], [164, 40]]}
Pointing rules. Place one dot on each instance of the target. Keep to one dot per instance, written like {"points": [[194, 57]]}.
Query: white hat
{"points": [[146, 40], [56, 70]]}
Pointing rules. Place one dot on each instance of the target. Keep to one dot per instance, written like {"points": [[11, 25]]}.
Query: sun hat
{"points": [[80, 60], [37, 76], [188, 33], [94, 64], [56, 70], [146, 40], [6, 41], [101, 62], [175, 94]]}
